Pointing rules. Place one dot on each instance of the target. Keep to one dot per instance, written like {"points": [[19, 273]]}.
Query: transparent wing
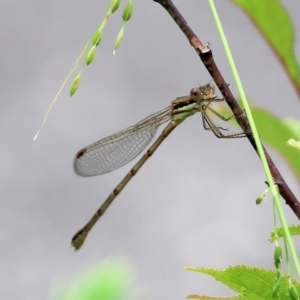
{"points": [[120, 148]]}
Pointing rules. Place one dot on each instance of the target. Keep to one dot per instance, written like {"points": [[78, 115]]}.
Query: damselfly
{"points": [[120, 148]]}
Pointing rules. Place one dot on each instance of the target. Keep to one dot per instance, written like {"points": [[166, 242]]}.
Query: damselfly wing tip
{"points": [[80, 153], [78, 165]]}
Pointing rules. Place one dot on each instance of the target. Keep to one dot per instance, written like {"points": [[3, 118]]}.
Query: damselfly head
{"points": [[203, 93], [207, 91]]}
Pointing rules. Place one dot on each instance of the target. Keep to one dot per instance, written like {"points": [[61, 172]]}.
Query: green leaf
{"points": [[109, 281], [272, 20], [294, 230], [293, 143], [293, 293], [250, 282], [293, 125], [276, 133], [213, 298]]}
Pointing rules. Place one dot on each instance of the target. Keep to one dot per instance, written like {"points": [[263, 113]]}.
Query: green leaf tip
{"points": [[127, 12], [74, 85], [274, 22]]}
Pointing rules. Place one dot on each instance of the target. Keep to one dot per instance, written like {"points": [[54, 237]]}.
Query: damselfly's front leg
{"points": [[204, 96]]}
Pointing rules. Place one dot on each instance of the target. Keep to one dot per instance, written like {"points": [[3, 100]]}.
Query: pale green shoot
{"points": [[272, 185], [88, 52]]}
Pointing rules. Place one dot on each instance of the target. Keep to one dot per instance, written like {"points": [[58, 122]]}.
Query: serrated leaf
{"points": [[192, 296], [273, 21], [251, 282], [294, 230]]}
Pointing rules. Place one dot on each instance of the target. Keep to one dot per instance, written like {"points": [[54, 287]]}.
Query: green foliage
{"points": [[89, 52], [272, 20], [251, 283], [127, 13], [109, 281], [279, 134], [294, 230], [293, 143], [276, 133]]}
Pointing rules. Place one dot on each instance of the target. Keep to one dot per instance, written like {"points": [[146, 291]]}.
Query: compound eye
{"points": [[194, 93]]}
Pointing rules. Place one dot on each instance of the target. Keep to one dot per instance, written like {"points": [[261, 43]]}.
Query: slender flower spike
{"points": [[74, 85], [119, 39], [115, 5], [90, 56], [127, 12], [97, 37]]}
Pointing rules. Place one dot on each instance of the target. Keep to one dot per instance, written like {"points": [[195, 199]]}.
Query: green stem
{"points": [[261, 153]]}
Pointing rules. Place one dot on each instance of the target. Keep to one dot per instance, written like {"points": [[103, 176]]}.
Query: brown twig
{"points": [[206, 56]]}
